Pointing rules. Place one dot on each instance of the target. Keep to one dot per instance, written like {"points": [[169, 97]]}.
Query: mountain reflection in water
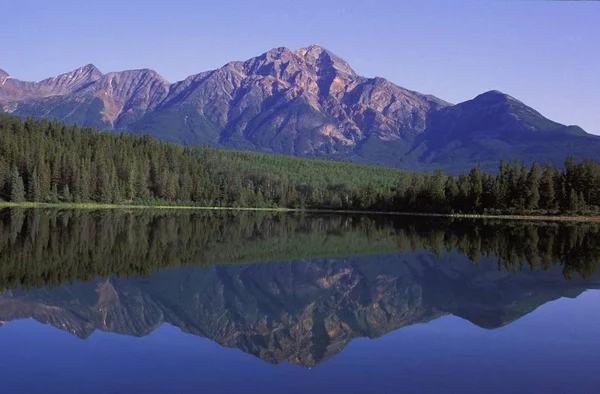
{"points": [[282, 287]]}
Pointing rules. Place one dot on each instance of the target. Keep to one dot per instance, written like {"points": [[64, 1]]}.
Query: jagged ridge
{"points": [[307, 102]]}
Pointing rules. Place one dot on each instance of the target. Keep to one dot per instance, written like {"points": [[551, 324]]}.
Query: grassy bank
{"points": [[93, 206], [4, 204]]}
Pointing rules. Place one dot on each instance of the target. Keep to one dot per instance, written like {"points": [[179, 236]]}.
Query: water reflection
{"points": [[330, 278]]}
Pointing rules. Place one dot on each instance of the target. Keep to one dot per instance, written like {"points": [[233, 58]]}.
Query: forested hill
{"points": [[45, 161], [50, 161]]}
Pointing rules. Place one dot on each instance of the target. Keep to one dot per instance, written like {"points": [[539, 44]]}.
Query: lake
{"points": [[167, 301]]}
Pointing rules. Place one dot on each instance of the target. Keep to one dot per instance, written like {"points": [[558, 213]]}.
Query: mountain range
{"points": [[309, 103], [303, 312]]}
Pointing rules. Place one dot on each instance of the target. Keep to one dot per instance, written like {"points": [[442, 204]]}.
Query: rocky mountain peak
{"points": [[88, 70], [278, 62], [324, 60], [87, 73], [126, 95], [3, 76], [282, 63], [123, 86], [281, 53], [137, 75], [70, 82]]}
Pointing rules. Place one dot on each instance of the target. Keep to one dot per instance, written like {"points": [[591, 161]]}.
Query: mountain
{"points": [[86, 96], [304, 311], [13, 91], [495, 126], [309, 103]]}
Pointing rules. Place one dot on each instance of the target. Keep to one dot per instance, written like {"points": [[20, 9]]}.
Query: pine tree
{"points": [[104, 188], [33, 188], [67, 194], [54, 197], [582, 205], [491, 194], [82, 190], [17, 187], [533, 187], [503, 185], [170, 188], [4, 177], [547, 190], [131, 179], [475, 188], [451, 191], [573, 201]]}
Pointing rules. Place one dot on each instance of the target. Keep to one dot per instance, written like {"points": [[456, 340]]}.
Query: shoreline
{"points": [[94, 206]]}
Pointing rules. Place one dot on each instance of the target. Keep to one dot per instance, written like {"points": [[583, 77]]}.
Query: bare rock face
{"points": [[127, 95], [87, 97], [13, 90], [305, 102]]}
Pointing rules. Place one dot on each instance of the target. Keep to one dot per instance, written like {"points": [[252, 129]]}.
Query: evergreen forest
{"points": [[47, 161]]}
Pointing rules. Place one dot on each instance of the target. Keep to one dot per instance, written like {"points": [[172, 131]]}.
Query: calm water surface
{"points": [[161, 302]]}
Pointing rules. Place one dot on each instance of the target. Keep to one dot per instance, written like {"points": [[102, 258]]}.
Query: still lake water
{"points": [[177, 302]]}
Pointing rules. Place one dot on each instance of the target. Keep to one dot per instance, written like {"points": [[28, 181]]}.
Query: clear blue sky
{"points": [[546, 53]]}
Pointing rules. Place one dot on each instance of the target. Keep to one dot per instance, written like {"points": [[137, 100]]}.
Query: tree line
{"points": [[47, 161], [49, 247]]}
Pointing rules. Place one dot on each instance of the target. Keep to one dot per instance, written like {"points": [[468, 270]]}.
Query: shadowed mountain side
{"points": [[304, 311]]}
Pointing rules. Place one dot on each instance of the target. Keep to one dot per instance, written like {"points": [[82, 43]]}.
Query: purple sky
{"points": [[546, 53]]}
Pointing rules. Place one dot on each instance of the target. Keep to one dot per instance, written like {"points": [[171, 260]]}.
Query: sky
{"points": [[545, 53]]}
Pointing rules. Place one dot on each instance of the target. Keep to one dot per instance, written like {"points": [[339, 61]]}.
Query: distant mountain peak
{"points": [[88, 73], [314, 58], [88, 68], [142, 72], [277, 53], [324, 58], [494, 95], [3, 76], [273, 62], [313, 50], [69, 82], [126, 95]]}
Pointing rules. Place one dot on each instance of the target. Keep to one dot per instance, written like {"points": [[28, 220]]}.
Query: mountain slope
{"points": [[307, 102], [87, 97], [13, 91], [495, 126], [3, 76]]}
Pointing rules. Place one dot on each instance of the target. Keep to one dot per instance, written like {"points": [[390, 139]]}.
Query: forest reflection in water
{"points": [[49, 247]]}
